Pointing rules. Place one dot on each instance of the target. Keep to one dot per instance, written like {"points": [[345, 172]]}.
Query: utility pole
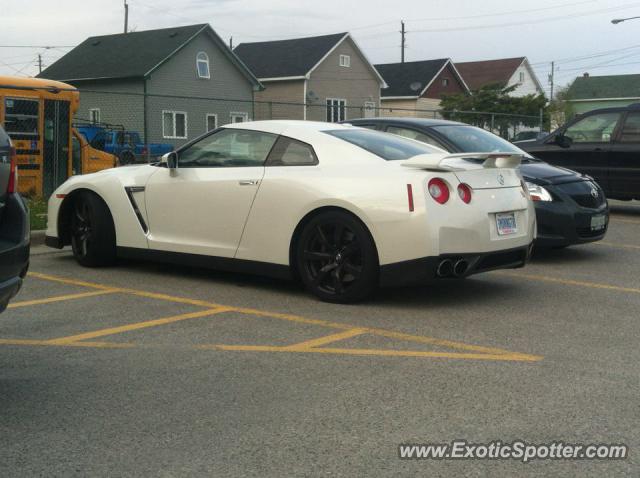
{"points": [[39, 63], [126, 16], [551, 80], [231, 43], [403, 44]]}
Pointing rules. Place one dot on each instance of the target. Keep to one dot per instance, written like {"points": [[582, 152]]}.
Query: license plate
{"points": [[598, 222], [506, 223]]}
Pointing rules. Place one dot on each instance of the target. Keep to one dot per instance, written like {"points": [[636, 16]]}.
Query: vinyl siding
{"points": [[280, 92], [437, 90], [357, 84], [120, 102], [527, 87], [420, 108], [178, 77]]}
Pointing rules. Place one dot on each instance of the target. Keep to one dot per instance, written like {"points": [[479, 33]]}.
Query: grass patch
{"points": [[37, 213]]}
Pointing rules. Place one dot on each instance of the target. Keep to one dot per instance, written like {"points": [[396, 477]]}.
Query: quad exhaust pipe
{"points": [[449, 268]]}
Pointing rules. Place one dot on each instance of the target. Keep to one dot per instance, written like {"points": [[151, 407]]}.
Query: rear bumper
{"points": [[425, 269], [14, 247]]}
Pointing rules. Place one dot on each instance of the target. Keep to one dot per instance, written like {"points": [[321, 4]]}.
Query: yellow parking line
{"points": [[592, 285], [110, 345], [60, 298], [64, 280], [136, 326], [327, 339], [622, 246], [376, 352], [216, 308], [628, 221]]}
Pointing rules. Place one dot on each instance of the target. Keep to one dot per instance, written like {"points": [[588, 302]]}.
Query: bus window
{"points": [[21, 118]]}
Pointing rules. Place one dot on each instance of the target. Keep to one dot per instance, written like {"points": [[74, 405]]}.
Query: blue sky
{"points": [[578, 34]]}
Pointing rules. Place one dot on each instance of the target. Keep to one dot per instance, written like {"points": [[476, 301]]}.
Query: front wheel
{"points": [[93, 237], [337, 258]]}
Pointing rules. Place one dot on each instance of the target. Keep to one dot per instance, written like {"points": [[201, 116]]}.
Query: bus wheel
{"points": [[93, 235], [127, 157]]}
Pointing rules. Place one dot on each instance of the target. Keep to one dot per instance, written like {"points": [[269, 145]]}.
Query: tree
{"points": [[491, 107]]}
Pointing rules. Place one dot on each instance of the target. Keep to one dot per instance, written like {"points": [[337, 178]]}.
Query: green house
{"points": [[593, 92]]}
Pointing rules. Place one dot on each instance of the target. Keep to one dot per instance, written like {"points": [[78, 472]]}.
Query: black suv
{"points": [[14, 226], [604, 143], [570, 207]]}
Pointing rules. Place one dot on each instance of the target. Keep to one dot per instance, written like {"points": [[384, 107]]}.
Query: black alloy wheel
{"points": [[93, 238], [337, 259]]}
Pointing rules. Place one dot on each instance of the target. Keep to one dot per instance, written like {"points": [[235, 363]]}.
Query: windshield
{"points": [[470, 139], [387, 146]]}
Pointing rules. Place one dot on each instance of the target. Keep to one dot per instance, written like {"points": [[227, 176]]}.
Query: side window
{"points": [[228, 148], [631, 129], [290, 152], [413, 134], [596, 128]]}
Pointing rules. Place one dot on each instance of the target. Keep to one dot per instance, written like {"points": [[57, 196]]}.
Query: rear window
{"points": [[387, 146], [470, 139]]}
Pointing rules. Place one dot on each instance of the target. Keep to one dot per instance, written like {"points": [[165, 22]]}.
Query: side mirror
{"points": [[171, 159], [562, 140]]}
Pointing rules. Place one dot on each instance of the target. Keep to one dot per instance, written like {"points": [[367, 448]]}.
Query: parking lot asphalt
{"points": [[155, 370]]}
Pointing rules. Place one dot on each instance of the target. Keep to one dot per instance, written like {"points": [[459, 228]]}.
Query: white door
{"points": [[202, 206], [369, 109], [239, 117]]}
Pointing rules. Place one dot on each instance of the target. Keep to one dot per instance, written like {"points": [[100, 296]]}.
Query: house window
{"points": [[445, 82], [522, 77], [345, 60], [94, 115], [174, 124], [336, 110], [212, 122], [202, 65], [239, 117]]}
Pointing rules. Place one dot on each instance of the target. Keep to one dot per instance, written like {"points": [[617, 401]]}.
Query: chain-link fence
{"points": [[176, 119]]}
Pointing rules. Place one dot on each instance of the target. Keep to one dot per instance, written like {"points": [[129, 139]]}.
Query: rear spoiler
{"points": [[436, 162]]}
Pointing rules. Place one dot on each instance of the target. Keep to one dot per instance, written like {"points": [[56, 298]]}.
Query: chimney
{"points": [[585, 75]]}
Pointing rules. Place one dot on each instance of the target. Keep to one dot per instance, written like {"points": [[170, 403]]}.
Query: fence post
{"points": [[270, 109], [541, 119], [493, 120]]}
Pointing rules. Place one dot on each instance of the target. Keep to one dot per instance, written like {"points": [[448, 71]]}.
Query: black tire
{"points": [[93, 235], [337, 258]]}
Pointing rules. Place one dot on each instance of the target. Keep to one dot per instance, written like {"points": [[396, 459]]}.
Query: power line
{"points": [[499, 14], [528, 22], [46, 47]]}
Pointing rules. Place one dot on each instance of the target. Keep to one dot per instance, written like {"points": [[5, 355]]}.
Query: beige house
{"points": [[416, 87], [324, 78]]}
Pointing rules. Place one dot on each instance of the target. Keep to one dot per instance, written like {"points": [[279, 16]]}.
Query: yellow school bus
{"points": [[37, 114]]}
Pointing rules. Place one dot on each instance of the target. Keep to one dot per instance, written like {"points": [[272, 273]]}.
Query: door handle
{"points": [[248, 182]]}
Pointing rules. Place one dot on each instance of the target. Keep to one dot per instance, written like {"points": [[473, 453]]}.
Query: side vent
{"points": [[130, 192]]}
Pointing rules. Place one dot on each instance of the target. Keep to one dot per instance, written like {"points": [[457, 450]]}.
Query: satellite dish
{"points": [[311, 96], [415, 86]]}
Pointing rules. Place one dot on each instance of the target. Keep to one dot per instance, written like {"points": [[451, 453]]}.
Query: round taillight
{"points": [[439, 190], [464, 191]]}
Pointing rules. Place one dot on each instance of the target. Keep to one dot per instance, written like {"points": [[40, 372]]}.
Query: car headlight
{"points": [[538, 193]]}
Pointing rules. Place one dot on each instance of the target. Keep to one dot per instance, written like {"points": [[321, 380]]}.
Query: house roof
{"points": [[411, 79], [599, 87], [286, 58], [489, 72], [131, 55]]}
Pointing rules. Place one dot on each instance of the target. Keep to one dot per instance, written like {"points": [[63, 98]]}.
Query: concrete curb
{"points": [[37, 237]]}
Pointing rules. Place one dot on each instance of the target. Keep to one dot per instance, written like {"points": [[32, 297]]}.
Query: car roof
{"points": [[424, 122], [277, 126], [613, 109]]}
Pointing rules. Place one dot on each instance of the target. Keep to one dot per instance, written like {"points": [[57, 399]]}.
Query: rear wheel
{"points": [[337, 259], [93, 237]]}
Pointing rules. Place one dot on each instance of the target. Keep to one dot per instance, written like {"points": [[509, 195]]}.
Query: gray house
{"points": [[171, 84], [323, 78]]}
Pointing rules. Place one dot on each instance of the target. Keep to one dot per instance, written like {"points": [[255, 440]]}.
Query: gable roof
{"points": [[411, 79], [600, 87], [132, 55], [294, 58], [489, 72]]}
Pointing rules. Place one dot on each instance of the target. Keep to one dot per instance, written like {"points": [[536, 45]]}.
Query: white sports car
{"points": [[344, 209]]}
